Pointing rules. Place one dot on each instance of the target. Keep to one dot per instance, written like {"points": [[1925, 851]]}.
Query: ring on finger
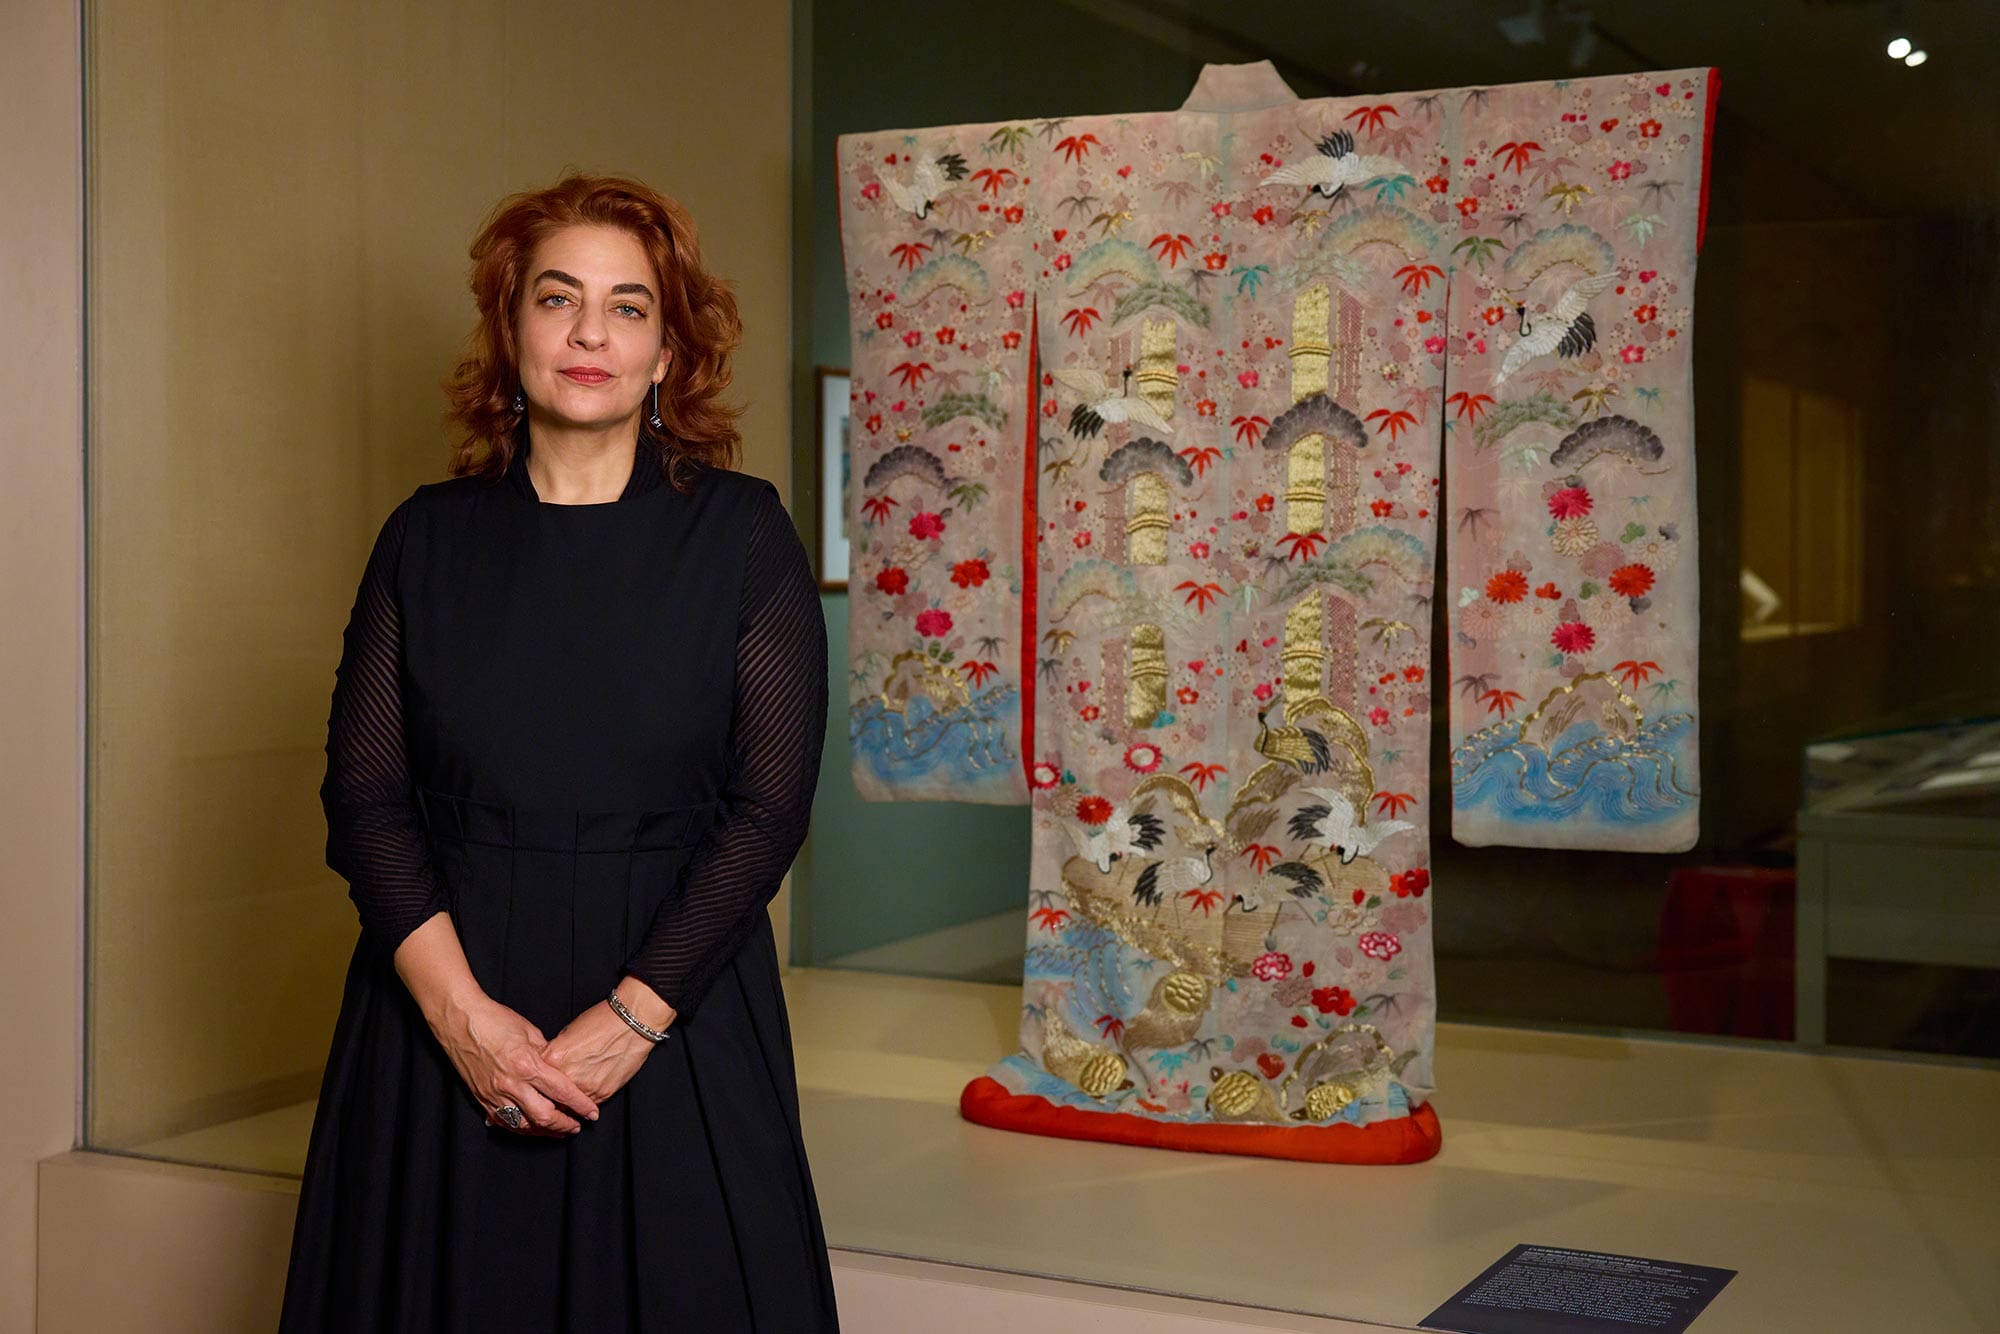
{"points": [[511, 1116]]}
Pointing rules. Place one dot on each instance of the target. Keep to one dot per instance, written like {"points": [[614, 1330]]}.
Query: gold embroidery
{"points": [[1146, 520], [1618, 712], [1173, 1013], [1304, 653], [1167, 931], [912, 673], [1310, 348], [1305, 485], [1305, 479], [1241, 1096], [1341, 1071], [1158, 377], [1094, 1068], [1145, 675]]}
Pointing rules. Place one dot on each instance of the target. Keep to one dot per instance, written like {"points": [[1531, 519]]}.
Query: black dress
{"points": [[591, 734]]}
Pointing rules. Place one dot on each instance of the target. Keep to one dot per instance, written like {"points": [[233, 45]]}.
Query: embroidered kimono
{"points": [[1152, 420]]}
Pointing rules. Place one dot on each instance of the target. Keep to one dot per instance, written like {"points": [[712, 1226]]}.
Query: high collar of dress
{"points": [[647, 473], [1249, 87]]}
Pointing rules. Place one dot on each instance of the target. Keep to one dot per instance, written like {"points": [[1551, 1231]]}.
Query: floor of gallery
{"points": [[1851, 1193]]}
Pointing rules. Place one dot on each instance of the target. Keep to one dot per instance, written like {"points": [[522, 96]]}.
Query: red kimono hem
{"points": [[1410, 1139]]}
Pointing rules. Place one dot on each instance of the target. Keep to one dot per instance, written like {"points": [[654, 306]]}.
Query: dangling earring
{"points": [[654, 420], [520, 403]]}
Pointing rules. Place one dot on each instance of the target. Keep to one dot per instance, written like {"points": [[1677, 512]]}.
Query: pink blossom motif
{"points": [[1618, 171], [1571, 502], [1199, 550], [1435, 343], [1045, 775], [1062, 262], [1631, 352], [1574, 637], [1142, 757], [925, 524], [1380, 945], [934, 624], [1378, 716], [912, 338], [1248, 379], [1263, 692], [1271, 967], [872, 190], [1016, 299]]}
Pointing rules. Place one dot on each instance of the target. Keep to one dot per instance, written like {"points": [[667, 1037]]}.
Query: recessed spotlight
{"points": [[1900, 48], [1916, 58]]}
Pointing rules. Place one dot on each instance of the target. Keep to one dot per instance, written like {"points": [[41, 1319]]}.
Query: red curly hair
{"points": [[697, 311]]}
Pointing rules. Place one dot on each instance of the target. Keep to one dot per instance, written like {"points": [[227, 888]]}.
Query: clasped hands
{"points": [[504, 1058]]}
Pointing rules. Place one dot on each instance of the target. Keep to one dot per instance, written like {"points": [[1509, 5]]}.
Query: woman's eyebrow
{"points": [[621, 289]]}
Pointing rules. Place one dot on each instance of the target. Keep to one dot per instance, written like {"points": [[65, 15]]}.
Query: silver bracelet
{"points": [[650, 1034]]}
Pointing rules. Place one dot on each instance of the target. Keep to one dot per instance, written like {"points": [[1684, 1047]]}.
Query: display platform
{"points": [[1850, 1193]]}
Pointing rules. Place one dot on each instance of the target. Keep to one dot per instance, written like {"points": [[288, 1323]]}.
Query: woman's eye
{"points": [[554, 296], [633, 311]]}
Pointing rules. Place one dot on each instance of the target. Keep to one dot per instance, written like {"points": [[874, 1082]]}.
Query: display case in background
{"points": [[1899, 863]]}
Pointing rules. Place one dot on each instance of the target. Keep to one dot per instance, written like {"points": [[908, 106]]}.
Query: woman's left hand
{"points": [[599, 1051]]}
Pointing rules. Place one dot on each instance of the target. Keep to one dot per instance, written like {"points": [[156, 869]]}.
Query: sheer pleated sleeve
{"points": [[777, 732], [374, 837]]}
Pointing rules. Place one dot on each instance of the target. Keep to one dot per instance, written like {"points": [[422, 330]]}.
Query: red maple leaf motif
{"points": [[909, 254], [1393, 803], [1370, 118], [1304, 546], [1198, 594], [1248, 429], [1173, 246], [1078, 146], [1201, 775], [1395, 423], [1516, 155], [1470, 404]]}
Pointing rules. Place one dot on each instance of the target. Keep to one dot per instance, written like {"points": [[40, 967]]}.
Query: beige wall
{"points": [[281, 200], [41, 533]]}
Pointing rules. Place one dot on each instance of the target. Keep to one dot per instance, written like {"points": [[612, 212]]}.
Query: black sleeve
{"points": [[373, 835], [777, 732]]}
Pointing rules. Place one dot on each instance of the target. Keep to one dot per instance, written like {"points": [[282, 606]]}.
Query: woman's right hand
{"points": [[499, 1055]]}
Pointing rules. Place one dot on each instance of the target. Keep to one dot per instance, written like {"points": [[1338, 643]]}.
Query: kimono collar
{"points": [[1249, 87]]}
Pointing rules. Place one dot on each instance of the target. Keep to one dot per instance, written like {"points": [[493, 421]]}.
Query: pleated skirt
{"points": [[688, 1206]]}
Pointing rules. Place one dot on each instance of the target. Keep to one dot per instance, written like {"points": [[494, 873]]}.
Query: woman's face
{"points": [[588, 330]]}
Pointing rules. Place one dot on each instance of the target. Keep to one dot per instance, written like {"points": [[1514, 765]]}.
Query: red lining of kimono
{"points": [[1408, 1139], [1030, 533], [1707, 145]]}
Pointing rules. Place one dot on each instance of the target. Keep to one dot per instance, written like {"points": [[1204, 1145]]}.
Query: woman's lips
{"points": [[587, 376]]}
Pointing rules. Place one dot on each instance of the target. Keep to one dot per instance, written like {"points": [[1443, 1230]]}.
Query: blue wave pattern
{"points": [[1587, 773], [967, 747]]}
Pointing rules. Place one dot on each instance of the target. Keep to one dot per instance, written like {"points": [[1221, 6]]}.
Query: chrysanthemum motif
{"points": [[1142, 757], [1045, 774], [1632, 581], [1483, 618], [1093, 810], [1507, 586], [1573, 537], [1654, 550], [1570, 502], [1573, 637], [1534, 617]]}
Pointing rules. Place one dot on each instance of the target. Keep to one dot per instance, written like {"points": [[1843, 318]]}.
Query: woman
{"points": [[575, 732]]}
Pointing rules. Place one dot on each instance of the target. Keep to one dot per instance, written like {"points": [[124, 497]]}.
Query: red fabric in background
{"points": [[1727, 941]]}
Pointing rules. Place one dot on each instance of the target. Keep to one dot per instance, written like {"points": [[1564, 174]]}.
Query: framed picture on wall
{"points": [[832, 478]]}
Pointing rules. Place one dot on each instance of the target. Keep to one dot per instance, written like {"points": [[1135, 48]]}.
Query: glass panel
{"points": [[1849, 521]]}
